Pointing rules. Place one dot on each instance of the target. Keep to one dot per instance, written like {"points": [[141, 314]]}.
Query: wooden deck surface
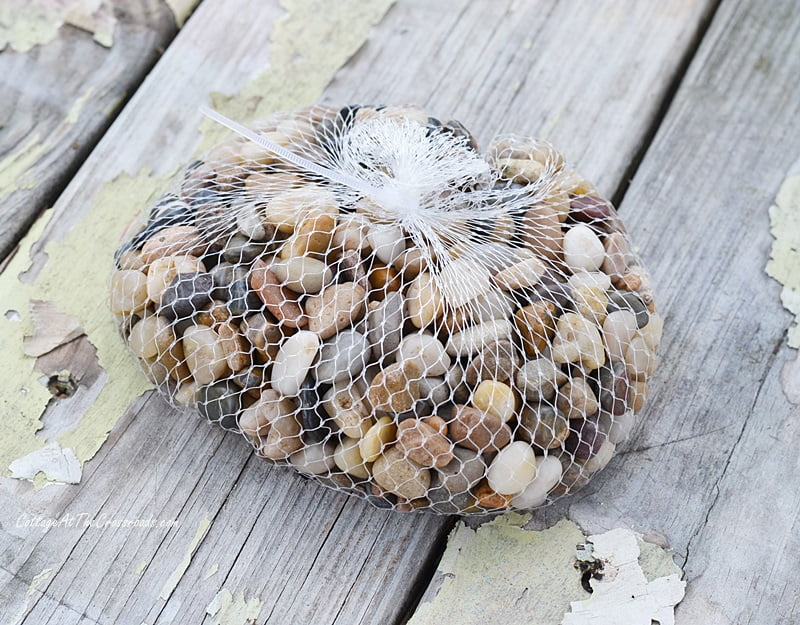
{"points": [[686, 112]]}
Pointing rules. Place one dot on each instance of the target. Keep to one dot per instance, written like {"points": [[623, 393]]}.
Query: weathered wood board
{"points": [[713, 468], [58, 98], [301, 552]]}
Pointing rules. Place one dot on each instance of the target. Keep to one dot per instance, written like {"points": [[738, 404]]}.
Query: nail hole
{"points": [[12, 315], [62, 385]]}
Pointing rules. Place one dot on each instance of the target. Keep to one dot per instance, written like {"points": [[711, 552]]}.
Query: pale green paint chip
{"points": [[225, 609]]}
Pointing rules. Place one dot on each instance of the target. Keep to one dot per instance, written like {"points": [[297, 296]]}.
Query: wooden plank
{"points": [[50, 119], [713, 468], [308, 554]]}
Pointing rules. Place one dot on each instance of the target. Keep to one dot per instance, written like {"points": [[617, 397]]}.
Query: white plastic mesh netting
{"points": [[370, 299]]}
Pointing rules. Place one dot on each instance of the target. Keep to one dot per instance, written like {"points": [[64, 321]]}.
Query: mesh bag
{"points": [[368, 298]]}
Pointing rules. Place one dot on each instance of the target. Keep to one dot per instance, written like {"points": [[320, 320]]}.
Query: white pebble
{"points": [[512, 469], [293, 361], [425, 351], [548, 474], [583, 249]]}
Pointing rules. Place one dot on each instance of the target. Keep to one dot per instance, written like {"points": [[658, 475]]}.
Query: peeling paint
{"points": [[224, 609], [143, 564], [181, 10], [211, 571], [28, 23], [77, 106], [624, 594], [177, 574], [14, 174], [80, 252], [308, 45], [57, 465], [37, 582], [506, 574], [784, 262]]}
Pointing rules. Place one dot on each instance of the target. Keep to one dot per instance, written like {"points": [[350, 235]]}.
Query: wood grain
{"points": [[312, 555], [61, 97]]}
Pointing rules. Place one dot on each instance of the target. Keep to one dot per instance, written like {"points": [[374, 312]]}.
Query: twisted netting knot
{"points": [[365, 296]]}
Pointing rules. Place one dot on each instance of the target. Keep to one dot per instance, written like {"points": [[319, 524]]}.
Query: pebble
{"points": [[618, 300], [536, 326], [348, 459], [476, 430], [583, 249], [349, 411], [542, 426], [601, 458], [542, 232], [619, 328], [400, 475], [653, 331], [162, 271], [426, 352], [249, 222], [205, 355], [423, 303], [395, 388], [591, 302], [488, 499], [548, 475], [221, 403], [302, 274], [314, 458], [618, 427], [173, 241], [241, 250], [186, 295], [434, 391], [618, 255], [387, 242], [585, 438], [234, 346], [614, 388], [472, 339], [293, 361], [495, 398], [128, 292], [151, 337], [335, 308], [637, 393], [382, 433], [263, 334], [512, 469], [241, 300], [576, 399], [313, 416], [593, 279], [286, 210], [279, 300], [578, 340], [385, 327], [311, 237], [496, 361], [423, 444], [639, 359], [539, 378], [342, 357], [525, 273], [461, 474]]}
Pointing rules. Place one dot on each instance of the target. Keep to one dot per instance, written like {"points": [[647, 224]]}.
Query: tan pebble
{"points": [[474, 338], [131, 259], [302, 274], [395, 388], [205, 355], [437, 423], [279, 300], [653, 331], [578, 340], [312, 236], [163, 270], [591, 302], [525, 273], [217, 313], [631, 281], [268, 185], [423, 302], [411, 263], [237, 351], [335, 308], [576, 399], [423, 444], [348, 459], [637, 394], [283, 431], [345, 405], [150, 337], [520, 170], [400, 475], [128, 291], [536, 326], [351, 233], [495, 398], [640, 361], [173, 241], [619, 328], [476, 430], [288, 209], [543, 233], [383, 280], [186, 394], [618, 254], [381, 434]]}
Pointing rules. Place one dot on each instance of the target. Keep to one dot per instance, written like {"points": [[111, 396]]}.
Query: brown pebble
{"points": [[488, 499], [171, 241], [395, 388], [279, 300], [476, 430], [337, 307], [423, 444], [536, 326]]}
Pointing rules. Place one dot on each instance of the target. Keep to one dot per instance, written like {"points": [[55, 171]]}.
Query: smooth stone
{"points": [[241, 300], [583, 249], [591, 302], [495, 398], [385, 327], [350, 268], [279, 300], [548, 475], [619, 328], [476, 430], [186, 295], [128, 292], [462, 473], [639, 359], [314, 458], [434, 391], [312, 413], [653, 331], [150, 337], [618, 427], [223, 273], [396, 473], [262, 333], [470, 340], [293, 361], [348, 410], [387, 242], [249, 221], [348, 459], [578, 340], [302, 274], [459, 391], [593, 279], [619, 300], [335, 308], [536, 326], [496, 361], [395, 388], [172, 241], [601, 458], [426, 352], [585, 438], [512, 469], [423, 302], [221, 403], [539, 378], [613, 392], [381, 434], [525, 273], [241, 250], [162, 271], [205, 354], [341, 357], [618, 255], [542, 426], [576, 399], [423, 444]]}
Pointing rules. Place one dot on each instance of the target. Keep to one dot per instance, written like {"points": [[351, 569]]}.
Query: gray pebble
{"points": [[341, 357]]}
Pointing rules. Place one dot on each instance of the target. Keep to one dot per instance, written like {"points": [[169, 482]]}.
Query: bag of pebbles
{"points": [[368, 298]]}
